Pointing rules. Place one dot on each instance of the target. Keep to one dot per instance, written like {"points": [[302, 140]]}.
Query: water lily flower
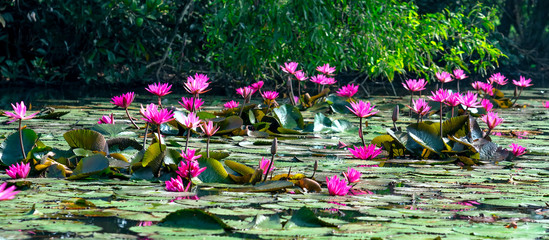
{"points": [[264, 165], [453, 100], [444, 77], [231, 104], [441, 95], [154, 116], [159, 89], [517, 150], [347, 91], [352, 175], [546, 104], [420, 107], [492, 120], [7, 194], [488, 89], [362, 109], [300, 75], [498, 78], [245, 92], [326, 69], [190, 155], [208, 128], [106, 119], [18, 170], [191, 104], [189, 169], [19, 112], [289, 67], [365, 152], [318, 79], [124, 101], [197, 84], [328, 81], [414, 85], [176, 185], [469, 100], [477, 85], [270, 95], [487, 105], [257, 85], [459, 74], [191, 121], [337, 187], [523, 82]]}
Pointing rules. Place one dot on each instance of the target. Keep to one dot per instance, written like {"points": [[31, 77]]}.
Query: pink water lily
{"points": [[517, 150], [264, 165], [245, 92], [421, 107], [487, 105], [469, 100], [453, 100], [190, 155], [270, 95], [492, 120], [337, 187], [352, 175], [7, 193], [414, 85], [328, 81], [18, 170], [19, 112], [365, 152], [257, 85], [124, 101], [191, 121], [176, 185], [289, 67], [197, 84], [300, 75], [106, 119], [546, 104], [208, 128], [159, 89], [191, 104], [326, 69], [231, 104], [362, 109], [189, 169], [459, 74], [152, 115], [477, 85], [441, 95], [488, 88], [444, 77], [347, 91], [523, 82], [498, 79]]}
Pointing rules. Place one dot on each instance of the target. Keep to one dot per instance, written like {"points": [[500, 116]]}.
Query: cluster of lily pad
{"points": [[458, 138]]}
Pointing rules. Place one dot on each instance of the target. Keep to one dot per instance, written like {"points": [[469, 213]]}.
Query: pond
{"points": [[395, 199]]}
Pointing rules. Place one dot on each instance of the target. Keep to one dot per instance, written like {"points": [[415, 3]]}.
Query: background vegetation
{"points": [[135, 41]]}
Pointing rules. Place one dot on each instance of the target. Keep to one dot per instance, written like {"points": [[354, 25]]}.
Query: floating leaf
{"points": [[321, 122], [87, 139], [123, 143], [338, 104], [153, 157], [111, 130], [89, 166], [52, 115], [194, 218], [239, 167], [214, 173], [424, 135], [304, 217], [10, 149], [289, 117], [229, 124]]}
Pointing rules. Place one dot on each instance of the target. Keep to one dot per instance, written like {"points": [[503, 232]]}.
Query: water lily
{"points": [[546, 104], [189, 169], [18, 114], [453, 101], [352, 175], [328, 81], [336, 186], [421, 107], [365, 152], [362, 110], [459, 75], [231, 104], [469, 100], [522, 83], [209, 129], [270, 95], [477, 85], [488, 89], [264, 165], [106, 119], [289, 67], [318, 79], [300, 75], [190, 155], [191, 122], [257, 85], [124, 101], [441, 96], [492, 120], [7, 193], [152, 115], [197, 85], [18, 170], [517, 150], [160, 90], [444, 77], [326, 69], [414, 85], [176, 185], [498, 79], [347, 91], [191, 104]]}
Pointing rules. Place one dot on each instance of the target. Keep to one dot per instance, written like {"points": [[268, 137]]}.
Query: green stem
{"points": [[361, 134], [145, 137], [187, 141], [440, 119], [131, 120], [21, 139], [159, 139], [208, 147], [411, 96]]}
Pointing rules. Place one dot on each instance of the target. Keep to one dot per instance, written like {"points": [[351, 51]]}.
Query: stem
{"points": [[242, 108], [159, 138], [291, 89], [269, 168], [160, 102], [145, 137], [488, 133], [208, 147], [187, 141], [517, 96], [131, 120], [440, 119], [360, 132], [452, 111], [411, 96], [21, 139], [299, 89], [457, 84]]}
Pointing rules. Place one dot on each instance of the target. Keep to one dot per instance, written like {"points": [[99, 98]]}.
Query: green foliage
{"points": [[377, 38], [10, 149]]}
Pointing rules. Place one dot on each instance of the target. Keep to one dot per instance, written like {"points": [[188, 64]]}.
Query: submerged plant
{"points": [[124, 101], [18, 170], [7, 193], [18, 114], [337, 187]]}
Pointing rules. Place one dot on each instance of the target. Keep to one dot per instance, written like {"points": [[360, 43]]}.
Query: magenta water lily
{"points": [[7, 193], [337, 187], [18, 170], [19, 114], [124, 101]]}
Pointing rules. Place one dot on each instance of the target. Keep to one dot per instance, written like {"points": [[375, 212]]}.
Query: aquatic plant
{"points": [[160, 90], [231, 104], [191, 104], [18, 114], [441, 96], [492, 120], [347, 91], [414, 85], [444, 77], [362, 110], [176, 185], [209, 130], [352, 175], [517, 150], [459, 75], [18, 170], [124, 101], [336, 186], [7, 193], [365, 152], [191, 121], [522, 83], [106, 119], [290, 68]]}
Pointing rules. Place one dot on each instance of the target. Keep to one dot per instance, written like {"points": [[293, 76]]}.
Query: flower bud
{"points": [[395, 113], [274, 146]]}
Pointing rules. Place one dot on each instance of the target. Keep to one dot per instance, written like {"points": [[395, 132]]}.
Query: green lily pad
{"points": [[87, 139], [10, 149], [89, 166], [193, 218]]}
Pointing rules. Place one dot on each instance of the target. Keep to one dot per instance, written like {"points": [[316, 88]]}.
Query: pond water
{"points": [[395, 199]]}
